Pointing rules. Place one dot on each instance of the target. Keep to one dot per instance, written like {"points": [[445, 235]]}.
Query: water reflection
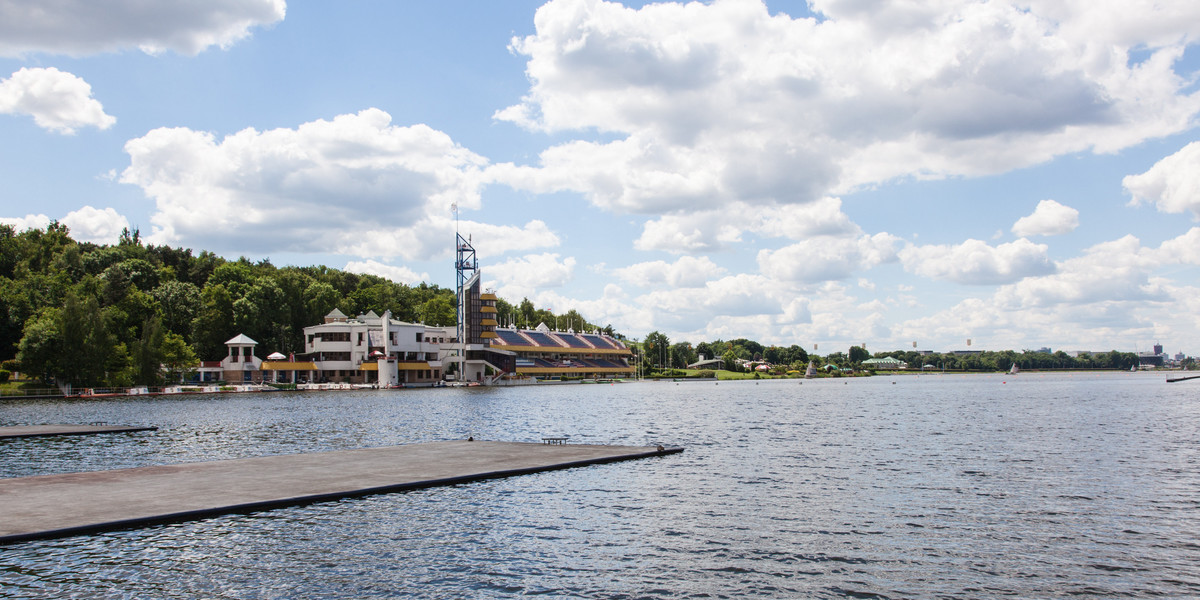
{"points": [[966, 487]]}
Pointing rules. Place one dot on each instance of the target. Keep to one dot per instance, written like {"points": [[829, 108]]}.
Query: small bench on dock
{"points": [[555, 440]]}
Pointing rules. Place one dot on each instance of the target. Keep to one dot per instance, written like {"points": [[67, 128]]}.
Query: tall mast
{"points": [[465, 265]]}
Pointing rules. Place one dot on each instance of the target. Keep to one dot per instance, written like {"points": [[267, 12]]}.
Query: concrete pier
{"points": [[20, 431], [49, 506]]}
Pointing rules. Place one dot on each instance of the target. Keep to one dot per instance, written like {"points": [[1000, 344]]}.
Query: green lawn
{"points": [[720, 375], [18, 388]]}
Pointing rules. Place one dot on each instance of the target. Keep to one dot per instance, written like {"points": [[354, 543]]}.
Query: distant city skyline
{"points": [[1017, 174]]}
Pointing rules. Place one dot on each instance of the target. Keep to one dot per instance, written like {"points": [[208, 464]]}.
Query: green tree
{"points": [[682, 355], [439, 311], [177, 356], [730, 358], [85, 340], [147, 355], [858, 354], [40, 349], [213, 325], [795, 355], [10, 250], [527, 313], [505, 312], [749, 349], [657, 347], [262, 313], [178, 303], [319, 299]]}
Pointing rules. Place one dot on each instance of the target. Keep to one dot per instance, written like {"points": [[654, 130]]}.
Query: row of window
{"points": [[426, 374], [344, 336], [345, 356]]}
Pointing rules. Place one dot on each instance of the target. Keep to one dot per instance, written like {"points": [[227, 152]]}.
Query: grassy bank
{"points": [[27, 388]]}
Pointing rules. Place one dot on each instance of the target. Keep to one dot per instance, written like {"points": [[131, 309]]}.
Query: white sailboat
{"points": [[811, 371], [1014, 370]]}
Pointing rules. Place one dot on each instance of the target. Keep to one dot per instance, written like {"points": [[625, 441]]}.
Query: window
{"points": [[360, 338], [418, 337]]}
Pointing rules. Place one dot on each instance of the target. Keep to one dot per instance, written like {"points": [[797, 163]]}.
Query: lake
{"points": [[929, 486]]}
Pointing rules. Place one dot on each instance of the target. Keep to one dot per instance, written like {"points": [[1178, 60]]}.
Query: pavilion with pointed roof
{"points": [[240, 365]]}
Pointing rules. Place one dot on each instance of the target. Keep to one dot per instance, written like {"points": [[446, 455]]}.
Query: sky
{"points": [[1000, 173]]}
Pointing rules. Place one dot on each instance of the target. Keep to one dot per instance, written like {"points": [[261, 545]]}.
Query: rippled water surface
{"points": [[909, 487]]}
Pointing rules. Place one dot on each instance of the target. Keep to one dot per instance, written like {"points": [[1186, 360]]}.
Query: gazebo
{"points": [[886, 363]]}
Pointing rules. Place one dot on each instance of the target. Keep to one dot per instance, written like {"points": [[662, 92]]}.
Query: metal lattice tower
{"points": [[465, 264]]}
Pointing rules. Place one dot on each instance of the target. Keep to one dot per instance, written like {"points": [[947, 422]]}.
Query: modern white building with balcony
{"points": [[369, 349]]}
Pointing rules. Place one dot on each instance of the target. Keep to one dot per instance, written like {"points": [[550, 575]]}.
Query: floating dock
{"points": [[23, 431], [50, 506]]}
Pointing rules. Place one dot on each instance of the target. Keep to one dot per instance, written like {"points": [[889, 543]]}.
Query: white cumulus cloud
{"points": [[81, 27], [26, 222], [397, 273], [57, 101], [975, 262], [828, 258], [1049, 218], [87, 224], [1119, 270], [355, 184], [524, 276], [702, 231], [688, 271], [1172, 184], [1106, 298], [90, 224], [708, 104]]}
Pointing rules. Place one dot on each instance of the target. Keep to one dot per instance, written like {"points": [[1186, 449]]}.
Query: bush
{"points": [[706, 374], [11, 364], [4, 375]]}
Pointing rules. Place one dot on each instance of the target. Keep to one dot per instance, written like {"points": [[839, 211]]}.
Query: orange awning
{"points": [[281, 365]]}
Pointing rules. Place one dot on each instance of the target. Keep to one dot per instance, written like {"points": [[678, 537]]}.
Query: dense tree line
{"points": [[657, 353], [113, 315], [1005, 359]]}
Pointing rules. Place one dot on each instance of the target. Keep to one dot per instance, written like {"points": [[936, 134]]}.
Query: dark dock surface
{"points": [[20, 431], [49, 506]]}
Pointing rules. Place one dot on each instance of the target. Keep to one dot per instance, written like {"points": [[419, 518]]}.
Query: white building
{"points": [[366, 349], [241, 365]]}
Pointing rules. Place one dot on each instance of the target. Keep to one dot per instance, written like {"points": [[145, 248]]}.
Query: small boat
{"points": [[1014, 370], [811, 371]]}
